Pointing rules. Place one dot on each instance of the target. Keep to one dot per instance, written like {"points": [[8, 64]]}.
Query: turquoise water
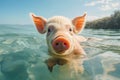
{"points": [[23, 52]]}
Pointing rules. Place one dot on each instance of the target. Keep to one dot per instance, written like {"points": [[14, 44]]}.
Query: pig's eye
{"points": [[49, 30], [70, 29]]}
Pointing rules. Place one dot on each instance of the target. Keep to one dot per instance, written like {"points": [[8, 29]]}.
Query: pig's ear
{"points": [[39, 23], [79, 22]]}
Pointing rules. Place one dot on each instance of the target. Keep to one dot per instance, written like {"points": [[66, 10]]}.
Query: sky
{"points": [[17, 11]]}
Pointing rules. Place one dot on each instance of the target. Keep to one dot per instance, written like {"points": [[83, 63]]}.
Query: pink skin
{"points": [[60, 44], [62, 39]]}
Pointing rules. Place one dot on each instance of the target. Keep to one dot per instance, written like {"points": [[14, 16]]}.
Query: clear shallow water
{"points": [[23, 51]]}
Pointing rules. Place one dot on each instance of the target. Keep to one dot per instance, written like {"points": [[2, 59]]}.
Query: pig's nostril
{"points": [[57, 44], [65, 44]]}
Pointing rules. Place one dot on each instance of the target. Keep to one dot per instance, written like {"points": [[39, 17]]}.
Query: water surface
{"points": [[23, 51]]}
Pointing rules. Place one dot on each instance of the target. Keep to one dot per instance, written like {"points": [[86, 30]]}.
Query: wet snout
{"points": [[60, 44]]}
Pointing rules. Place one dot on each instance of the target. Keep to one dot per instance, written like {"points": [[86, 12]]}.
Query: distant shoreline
{"points": [[112, 22]]}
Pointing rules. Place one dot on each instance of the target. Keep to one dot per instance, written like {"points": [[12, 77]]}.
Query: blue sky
{"points": [[17, 11]]}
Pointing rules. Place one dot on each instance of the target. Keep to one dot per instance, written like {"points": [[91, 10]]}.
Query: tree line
{"points": [[112, 22]]}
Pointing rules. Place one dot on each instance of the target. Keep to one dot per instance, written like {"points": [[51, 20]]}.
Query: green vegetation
{"points": [[112, 22]]}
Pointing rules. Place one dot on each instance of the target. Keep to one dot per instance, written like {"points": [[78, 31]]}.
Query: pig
{"points": [[62, 39]]}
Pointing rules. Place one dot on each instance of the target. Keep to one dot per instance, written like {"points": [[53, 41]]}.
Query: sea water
{"points": [[23, 52]]}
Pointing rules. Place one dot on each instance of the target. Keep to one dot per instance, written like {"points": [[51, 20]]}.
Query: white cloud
{"points": [[110, 6], [104, 5], [94, 3], [90, 4], [91, 18], [115, 5]]}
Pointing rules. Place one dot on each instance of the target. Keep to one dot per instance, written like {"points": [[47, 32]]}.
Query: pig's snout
{"points": [[60, 44]]}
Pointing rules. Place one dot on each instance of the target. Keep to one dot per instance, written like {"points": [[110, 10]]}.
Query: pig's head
{"points": [[60, 31]]}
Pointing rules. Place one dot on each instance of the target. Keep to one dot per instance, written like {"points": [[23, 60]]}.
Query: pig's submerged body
{"points": [[23, 52]]}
